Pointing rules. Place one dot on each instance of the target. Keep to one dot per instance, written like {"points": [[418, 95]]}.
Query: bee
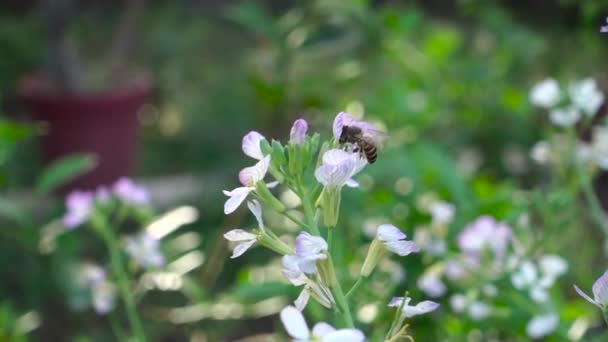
{"points": [[363, 144]]}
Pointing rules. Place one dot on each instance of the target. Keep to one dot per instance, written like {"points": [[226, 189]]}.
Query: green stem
{"points": [[116, 328], [596, 209], [295, 220], [341, 298], [308, 209], [122, 280], [355, 287]]}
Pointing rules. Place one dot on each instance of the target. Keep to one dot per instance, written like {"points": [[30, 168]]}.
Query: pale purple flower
{"points": [[102, 194], [145, 249], [243, 239], [292, 271], [415, 310], [345, 119], [309, 249], [546, 93], [297, 135], [442, 212], [395, 240], [458, 302], [338, 168], [298, 330], [600, 292], [484, 233], [431, 285], [455, 270], [565, 117], [479, 310], [586, 95], [249, 176], [130, 192], [79, 205], [542, 325], [251, 145]]}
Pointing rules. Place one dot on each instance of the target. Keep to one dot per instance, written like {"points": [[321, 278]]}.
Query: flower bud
{"points": [[272, 242], [329, 200], [297, 136]]}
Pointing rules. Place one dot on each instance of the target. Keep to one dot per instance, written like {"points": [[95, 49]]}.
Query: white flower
{"points": [[458, 302], [410, 311], [145, 249], [244, 240], [291, 270], [251, 145], [104, 297], [296, 327], [527, 276], [442, 212], [586, 96], [565, 117], [551, 266], [249, 176], [309, 249], [431, 285], [546, 93], [484, 233], [542, 325], [541, 152], [338, 168], [479, 310], [395, 240], [600, 292]]}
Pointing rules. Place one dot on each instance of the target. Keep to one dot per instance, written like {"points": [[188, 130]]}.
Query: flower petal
{"points": [[420, 308], [251, 145], [396, 301], [302, 300], [238, 235], [402, 247], [584, 295], [253, 174], [344, 335], [600, 290], [294, 323], [291, 269], [237, 196], [341, 120], [351, 183], [321, 329], [297, 135], [256, 209], [241, 248], [388, 232]]}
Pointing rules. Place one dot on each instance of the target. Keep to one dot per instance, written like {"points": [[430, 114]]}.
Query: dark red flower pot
{"points": [[103, 124]]}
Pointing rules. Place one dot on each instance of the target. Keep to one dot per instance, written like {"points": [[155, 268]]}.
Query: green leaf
{"points": [[63, 170], [11, 131], [13, 213]]}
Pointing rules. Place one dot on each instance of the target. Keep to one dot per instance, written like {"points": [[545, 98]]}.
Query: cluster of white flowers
{"points": [[582, 103], [308, 264]]}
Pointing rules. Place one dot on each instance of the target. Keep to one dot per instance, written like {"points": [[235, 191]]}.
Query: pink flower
{"points": [[484, 233], [248, 176], [79, 206], [130, 192]]}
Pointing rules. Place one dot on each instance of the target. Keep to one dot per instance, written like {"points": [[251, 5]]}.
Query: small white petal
{"points": [[396, 301], [564, 117], [479, 311], [256, 209], [584, 295], [388, 232], [600, 290], [420, 308], [241, 248], [545, 94], [302, 300], [237, 196], [402, 247], [294, 323], [321, 329], [251, 145], [539, 294], [351, 183], [238, 235], [344, 335]]}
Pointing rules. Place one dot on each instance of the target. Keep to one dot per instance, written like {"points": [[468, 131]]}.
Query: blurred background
{"points": [[164, 91]]}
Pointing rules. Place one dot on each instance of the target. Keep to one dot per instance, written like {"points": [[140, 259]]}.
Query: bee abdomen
{"points": [[371, 153]]}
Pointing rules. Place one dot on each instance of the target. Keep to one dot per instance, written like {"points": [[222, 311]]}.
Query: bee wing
{"points": [[377, 136]]}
